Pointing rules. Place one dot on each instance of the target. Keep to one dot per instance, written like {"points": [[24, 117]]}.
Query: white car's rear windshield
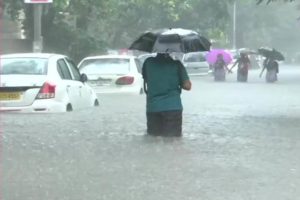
{"points": [[23, 66], [194, 57], [105, 66]]}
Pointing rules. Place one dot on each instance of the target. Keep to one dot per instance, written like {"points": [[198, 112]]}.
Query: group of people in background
{"points": [[165, 78], [243, 65]]}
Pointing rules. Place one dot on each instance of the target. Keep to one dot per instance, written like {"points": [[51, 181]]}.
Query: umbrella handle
{"points": [[261, 73]]}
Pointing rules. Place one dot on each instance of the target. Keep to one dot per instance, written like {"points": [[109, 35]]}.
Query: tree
{"points": [[83, 27], [272, 25]]}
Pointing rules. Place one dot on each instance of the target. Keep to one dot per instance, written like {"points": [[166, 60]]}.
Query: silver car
{"points": [[195, 63]]}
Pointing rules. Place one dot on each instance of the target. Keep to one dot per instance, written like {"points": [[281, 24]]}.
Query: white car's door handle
{"points": [[68, 88]]}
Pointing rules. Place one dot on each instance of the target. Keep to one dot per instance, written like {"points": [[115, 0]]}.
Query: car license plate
{"points": [[9, 96], [100, 83]]}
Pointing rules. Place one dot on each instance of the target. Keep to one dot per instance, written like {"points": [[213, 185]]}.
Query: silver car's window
{"points": [[63, 70], [105, 66], [74, 70], [24, 66], [194, 58]]}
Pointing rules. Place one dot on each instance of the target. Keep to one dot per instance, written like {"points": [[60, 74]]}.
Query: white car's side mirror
{"points": [[83, 78]]}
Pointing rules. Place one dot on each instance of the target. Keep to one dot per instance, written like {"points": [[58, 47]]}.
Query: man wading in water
{"points": [[164, 78]]}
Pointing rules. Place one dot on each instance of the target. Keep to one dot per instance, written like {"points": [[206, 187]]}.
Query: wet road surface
{"points": [[240, 142]]}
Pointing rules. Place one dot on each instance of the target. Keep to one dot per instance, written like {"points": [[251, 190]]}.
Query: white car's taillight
{"points": [[125, 80], [47, 91]]}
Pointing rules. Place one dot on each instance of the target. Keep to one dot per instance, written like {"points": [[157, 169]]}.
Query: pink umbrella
{"points": [[211, 56]]}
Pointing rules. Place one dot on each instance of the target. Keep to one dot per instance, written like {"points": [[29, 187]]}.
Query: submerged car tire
{"points": [[69, 108], [141, 91], [96, 103]]}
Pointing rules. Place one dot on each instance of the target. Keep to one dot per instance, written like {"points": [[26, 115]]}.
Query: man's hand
{"points": [[187, 85]]}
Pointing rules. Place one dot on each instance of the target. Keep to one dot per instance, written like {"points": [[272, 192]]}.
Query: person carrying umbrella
{"points": [[270, 63], [243, 63], [219, 68], [164, 78], [219, 60], [272, 67]]}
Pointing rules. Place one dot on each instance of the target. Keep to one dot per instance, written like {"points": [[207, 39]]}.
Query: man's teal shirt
{"points": [[164, 77]]}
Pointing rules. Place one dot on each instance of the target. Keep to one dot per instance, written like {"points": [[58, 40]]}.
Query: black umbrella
{"points": [[171, 40], [271, 53], [146, 41]]}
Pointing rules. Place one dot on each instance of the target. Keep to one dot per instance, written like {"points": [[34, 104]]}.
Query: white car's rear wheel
{"points": [[69, 108], [96, 103], [141, 91]]}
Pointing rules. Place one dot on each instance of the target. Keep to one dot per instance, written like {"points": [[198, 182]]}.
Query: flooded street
{"points": [[240, 142]]}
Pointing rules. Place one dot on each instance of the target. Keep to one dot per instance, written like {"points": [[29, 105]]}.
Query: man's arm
{"points": [[236, 62], [187, 85], [144, 74]]}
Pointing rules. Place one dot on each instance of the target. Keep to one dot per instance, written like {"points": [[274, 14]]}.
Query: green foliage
{"points": [[75, 43], [13, 7], [272, 25], [118, 22], [84, 27]]}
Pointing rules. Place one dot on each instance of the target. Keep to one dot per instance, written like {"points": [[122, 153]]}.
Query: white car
{"points": [[39, 82], [113, 73], [195, 63], [143, 57], [174, 55]]}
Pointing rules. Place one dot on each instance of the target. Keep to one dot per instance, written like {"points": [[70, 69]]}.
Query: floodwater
{"points": [[240, 142]]}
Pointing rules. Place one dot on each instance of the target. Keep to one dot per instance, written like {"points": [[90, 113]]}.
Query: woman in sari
{"points": [[272, 70], [219, 68], [243, 63]]}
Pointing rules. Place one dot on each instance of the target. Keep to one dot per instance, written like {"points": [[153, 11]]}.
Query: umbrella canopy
{"points": [[211, 57], [271, 53], [171, 40], [146, 41], [247, 51]]}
